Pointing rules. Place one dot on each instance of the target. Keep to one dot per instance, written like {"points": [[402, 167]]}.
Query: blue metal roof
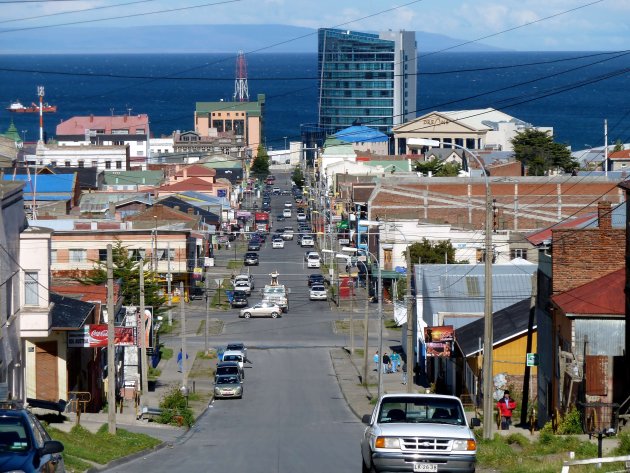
{"points": [[361, 134], [47, 183], [617, 215], [458, 289]]}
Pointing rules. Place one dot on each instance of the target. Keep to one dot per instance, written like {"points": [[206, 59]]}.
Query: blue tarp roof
{"points": [[361, 134], [47, 183]]}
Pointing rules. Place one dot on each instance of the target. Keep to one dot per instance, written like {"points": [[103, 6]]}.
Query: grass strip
{"points": [[81, 445]]}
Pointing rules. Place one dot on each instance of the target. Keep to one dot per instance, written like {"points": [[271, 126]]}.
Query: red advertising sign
{"points": [[96, 336]]}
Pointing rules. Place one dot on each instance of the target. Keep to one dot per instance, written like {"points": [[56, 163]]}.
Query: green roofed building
{"points": [[233, 118], [132, 180]]}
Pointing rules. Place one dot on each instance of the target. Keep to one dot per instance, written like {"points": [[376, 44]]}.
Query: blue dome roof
{"points": [[361, 134]]}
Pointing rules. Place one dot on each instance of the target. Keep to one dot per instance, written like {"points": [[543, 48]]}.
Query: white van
{"points": [[237, 357], [312, 260]]}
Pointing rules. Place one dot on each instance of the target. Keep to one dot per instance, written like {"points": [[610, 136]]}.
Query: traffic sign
{"points": [[532, 359]]}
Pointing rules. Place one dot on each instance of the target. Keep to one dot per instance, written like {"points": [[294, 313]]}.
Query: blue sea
{"points": [[571, 92]]}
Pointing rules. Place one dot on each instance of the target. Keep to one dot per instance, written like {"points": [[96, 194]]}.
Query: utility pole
{"points": [[207, 309], [366, 330], [169, 277], [183, 315], [111, 362], [488, 338], [411, 326], [528, 349], [143, 335]]}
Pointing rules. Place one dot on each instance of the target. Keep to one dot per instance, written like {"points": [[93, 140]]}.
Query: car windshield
{"points": [[318, 288], [226, 370], [227, 379], [232, 358], [425, 410], [13, 435]]}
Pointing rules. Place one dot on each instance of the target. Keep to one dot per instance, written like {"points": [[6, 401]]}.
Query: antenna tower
{"points": [[241, 93]]}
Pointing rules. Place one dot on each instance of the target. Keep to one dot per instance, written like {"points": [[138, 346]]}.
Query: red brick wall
{"points": [[583, 255]]}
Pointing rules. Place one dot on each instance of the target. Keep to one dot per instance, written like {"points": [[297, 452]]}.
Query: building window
{"points": [[52, 163], [31, 288], [136, 254], [67, 164], [81, 164], [518, 253], [118, 164], [102, 255], [108, 164], [94, 164], [53, 256], [118, 143], [78, 255], [139, 131]]}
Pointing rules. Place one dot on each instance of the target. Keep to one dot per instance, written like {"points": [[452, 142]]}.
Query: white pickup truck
{"points": [[418, 433], [278, 294]]}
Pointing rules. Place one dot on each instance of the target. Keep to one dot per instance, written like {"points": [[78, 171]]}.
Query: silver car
{"points": [[262, 309], [318, 293], [228, 385]]}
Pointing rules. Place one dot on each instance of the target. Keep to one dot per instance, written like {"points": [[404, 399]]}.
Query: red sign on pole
{"points": [[96, 336]]}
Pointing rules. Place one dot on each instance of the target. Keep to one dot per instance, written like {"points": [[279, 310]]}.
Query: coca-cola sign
{"points": [[96, 336]]}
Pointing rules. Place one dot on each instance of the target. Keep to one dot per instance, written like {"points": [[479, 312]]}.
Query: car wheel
{"points": [[274, 315], [247, 315], [367, 469]]}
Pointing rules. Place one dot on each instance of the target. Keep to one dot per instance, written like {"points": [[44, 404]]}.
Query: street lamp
{"points": [[488, 406]]}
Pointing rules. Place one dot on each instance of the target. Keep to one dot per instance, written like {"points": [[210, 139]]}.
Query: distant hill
{"points": [[191, 39]]}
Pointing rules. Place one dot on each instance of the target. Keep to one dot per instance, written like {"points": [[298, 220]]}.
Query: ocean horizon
{"points": [[572, 92]]}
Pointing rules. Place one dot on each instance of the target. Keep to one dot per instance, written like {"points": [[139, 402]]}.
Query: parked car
{"points": [[239, 299], [277, 243], [318, 293], [25, 445], [261, 309], [244, 277], [237, 346], [316, 278], [418, 432], [301, 217], [251, 259], [196, 293], [227, 368], [228, 385], [236, 357]]}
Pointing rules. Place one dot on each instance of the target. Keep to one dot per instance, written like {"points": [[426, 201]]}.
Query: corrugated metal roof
{"points": [[132, 178], [460, 288], [99, 202], [47, 183], [69, 313], [361, 134]]}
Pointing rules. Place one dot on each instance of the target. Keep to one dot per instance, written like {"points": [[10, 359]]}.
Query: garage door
{"points": [[47, 387]]}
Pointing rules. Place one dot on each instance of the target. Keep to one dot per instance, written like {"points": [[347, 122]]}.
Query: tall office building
{"points": [[366, 78]]}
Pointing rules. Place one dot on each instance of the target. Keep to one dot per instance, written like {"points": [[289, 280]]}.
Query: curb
{"points": [[358, 415], [128, 458]]}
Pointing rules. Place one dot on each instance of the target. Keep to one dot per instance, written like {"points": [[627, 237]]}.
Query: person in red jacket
{"points": [[506, 406]]}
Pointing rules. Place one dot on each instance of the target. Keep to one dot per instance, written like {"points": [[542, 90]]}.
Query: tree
{"points": [[438, 168], [127, 270], [298, 176], [260, 166], [539, 153], [426, 252], [618, 145]]}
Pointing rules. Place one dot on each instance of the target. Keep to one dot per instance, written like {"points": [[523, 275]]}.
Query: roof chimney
{"points": [[125, 118], [91, 118], [604, 215], [185, 171]]}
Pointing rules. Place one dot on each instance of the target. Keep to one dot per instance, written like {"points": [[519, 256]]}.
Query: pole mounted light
{"points": [[488, 404]]}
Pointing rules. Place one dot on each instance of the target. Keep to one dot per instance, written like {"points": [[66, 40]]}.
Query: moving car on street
{"points": [[318, 293], [239, 299], [288, 233], [316, 278], [251, 259], [301, 217], [253, 245], [307, 241], [277, 243], [262, 309], [312, 260]]}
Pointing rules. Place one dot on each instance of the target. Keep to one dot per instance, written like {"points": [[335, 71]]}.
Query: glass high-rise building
{"points": [[366, 78]]}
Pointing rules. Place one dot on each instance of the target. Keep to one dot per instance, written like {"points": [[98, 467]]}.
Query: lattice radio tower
{"points": [[241, 93]]}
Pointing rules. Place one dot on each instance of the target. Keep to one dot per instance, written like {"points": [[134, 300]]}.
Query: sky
{"points": [[522, 25]]}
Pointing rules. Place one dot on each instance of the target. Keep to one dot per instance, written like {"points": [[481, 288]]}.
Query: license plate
{"points": [[425, 467]]}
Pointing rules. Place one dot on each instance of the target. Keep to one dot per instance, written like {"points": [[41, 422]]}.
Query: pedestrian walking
{"points": [[180, 361], [404, 372], [506, 406], [376, 359], [386, 363], [395, 360]]}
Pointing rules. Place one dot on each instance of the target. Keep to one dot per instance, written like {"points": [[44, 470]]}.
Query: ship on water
{"points": [[18, 107]]}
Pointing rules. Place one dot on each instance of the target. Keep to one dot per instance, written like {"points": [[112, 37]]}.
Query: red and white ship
{"points": [[17, 107]]}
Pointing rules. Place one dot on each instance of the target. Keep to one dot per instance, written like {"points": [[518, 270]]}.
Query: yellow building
{"points": [[233, 119]]}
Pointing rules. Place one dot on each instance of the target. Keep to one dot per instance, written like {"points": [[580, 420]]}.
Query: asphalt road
{"points": [[292, 417]]}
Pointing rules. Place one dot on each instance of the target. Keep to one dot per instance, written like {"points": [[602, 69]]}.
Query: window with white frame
{"points": [[518, 253], [78, 255], [53, 256], [31, 288]]}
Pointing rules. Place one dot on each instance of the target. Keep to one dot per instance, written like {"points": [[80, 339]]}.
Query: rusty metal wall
{"points": [[605, 337]]}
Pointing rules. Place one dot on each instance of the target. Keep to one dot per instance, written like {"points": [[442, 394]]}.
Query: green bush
{"points": [[624, 444], [174, 405], [517, 439], [570, 423]]}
